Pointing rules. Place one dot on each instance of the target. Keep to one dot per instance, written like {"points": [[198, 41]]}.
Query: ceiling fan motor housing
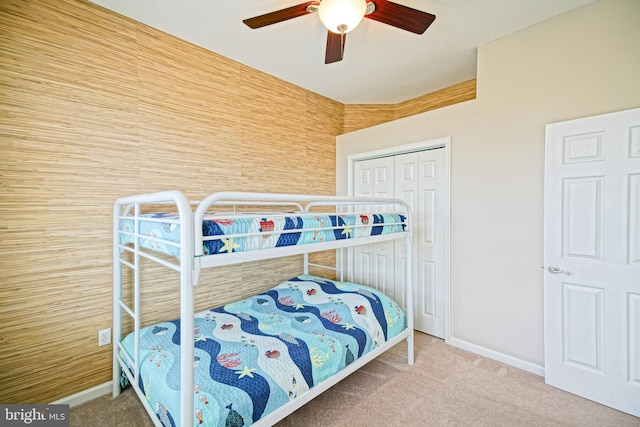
{"points": [[342, 16]]}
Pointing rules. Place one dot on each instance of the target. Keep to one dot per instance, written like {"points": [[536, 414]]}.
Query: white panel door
{"points": [[374, 264], [406, 187], [419, 178], [420, 181], [592, 258]]}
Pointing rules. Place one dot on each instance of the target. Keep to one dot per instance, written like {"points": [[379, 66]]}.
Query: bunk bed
{"points": [[327, 328]]}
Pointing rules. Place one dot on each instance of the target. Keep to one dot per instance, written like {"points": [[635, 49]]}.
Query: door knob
{"points": [[554, 269]]}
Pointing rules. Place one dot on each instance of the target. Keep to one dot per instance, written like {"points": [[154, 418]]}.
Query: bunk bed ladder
{"points": [[119, 305], [188, 276]]}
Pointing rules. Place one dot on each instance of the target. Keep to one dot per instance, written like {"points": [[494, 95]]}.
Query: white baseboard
{"points": [[85, 396], [496, 355]]}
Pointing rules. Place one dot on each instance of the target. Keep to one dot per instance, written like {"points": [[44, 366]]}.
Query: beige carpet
{"points": [[446, 387]]}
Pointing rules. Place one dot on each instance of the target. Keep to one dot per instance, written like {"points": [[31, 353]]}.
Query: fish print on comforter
{"points": [[254, 355]]}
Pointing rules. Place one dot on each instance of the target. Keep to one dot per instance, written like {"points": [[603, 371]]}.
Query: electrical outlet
{"points": [[104, 337]]}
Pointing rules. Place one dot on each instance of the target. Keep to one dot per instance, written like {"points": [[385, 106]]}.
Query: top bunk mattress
{"points": [[227, 233]]}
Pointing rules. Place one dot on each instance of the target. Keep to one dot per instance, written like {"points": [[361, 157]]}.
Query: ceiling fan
{"points": [[342, 16]]}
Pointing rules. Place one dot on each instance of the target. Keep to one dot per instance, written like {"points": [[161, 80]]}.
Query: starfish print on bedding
{"points": [[347, 231], [200, 338], [246, 371], [347, 326], [229, 245]]}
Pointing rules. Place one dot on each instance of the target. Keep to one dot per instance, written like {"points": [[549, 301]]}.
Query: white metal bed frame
{"points": [[192, 259]]}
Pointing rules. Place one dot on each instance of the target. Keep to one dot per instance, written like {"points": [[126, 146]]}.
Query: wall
{"points": [[96, 106], [583, 63], [360, 116]]}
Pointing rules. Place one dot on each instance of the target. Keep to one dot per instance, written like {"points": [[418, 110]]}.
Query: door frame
{"points": [[443, 143]]}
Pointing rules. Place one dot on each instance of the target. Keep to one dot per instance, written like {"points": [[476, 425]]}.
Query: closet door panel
{"points": [[429, 242], [420, 179], [407, 170], [373, 265]]}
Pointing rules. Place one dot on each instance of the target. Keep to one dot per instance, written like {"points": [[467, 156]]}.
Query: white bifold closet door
{"points": [[418, 179]]}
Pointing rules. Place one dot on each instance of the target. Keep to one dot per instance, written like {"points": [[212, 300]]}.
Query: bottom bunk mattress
{"points": [[255, 355]]}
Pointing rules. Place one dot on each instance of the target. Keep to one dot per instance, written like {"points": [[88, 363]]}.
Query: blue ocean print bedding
{"points": [[254, 355], [264, 231]]}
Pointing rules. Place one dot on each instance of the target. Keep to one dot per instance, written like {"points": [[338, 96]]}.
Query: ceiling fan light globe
{"points": [[341, 16]]}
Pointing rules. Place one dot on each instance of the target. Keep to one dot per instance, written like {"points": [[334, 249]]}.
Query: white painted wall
{"points": [[583, 63]]}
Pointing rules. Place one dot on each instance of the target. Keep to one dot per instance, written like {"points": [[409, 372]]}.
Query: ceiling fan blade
{"points": [[400, 16], [335, 47], [279, 15]]}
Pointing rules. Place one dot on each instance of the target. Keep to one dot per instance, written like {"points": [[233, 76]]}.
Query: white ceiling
{"points": [[381, 64]]}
